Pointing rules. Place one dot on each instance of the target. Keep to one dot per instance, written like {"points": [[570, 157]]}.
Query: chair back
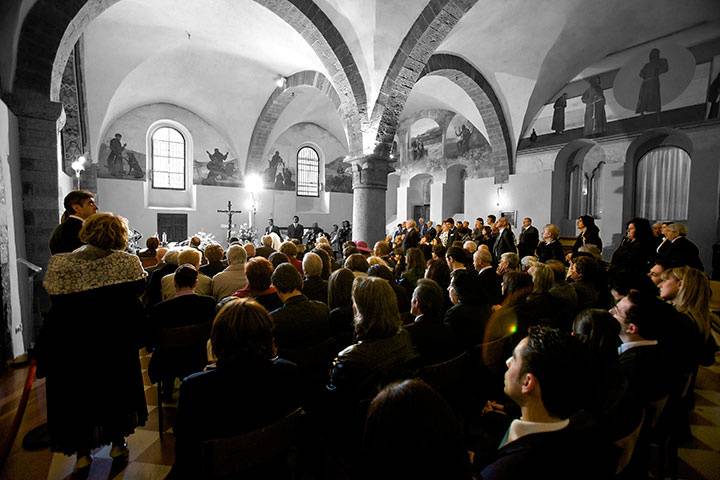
{"points": [[627, 445], [447, 375], [230, 457], [182, 337]]}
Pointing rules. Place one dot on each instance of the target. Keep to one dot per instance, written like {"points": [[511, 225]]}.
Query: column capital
{"points": [[371, 171]]}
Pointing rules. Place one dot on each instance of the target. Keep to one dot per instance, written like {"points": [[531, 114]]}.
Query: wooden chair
{"points": [[251, 452], [174, 341]]}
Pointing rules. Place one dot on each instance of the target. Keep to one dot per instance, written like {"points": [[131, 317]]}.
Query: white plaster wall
{"points": [[126, 198], [526, 193]]}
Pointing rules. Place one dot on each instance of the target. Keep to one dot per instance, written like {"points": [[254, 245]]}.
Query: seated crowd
{"points": [[443, 352]]}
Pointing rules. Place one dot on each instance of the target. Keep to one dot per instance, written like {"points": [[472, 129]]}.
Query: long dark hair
{"points": [[589, 223], [643, 230]]}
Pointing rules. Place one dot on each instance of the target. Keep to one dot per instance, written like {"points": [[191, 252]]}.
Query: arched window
{"points": [[308, 168], [662, 184], [168, 159], [584, 173]]}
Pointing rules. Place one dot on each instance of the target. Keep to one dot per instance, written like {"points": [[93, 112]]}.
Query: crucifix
{"points": [[229, 225]]}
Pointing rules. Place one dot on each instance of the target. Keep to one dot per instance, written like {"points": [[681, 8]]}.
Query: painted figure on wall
{"points": [[463, 142], [135, 170], [271, 173], [338, 177], [649, 97], [713, 98], [425, 140], [594, 100], [114, 159], [558, 120], [218, 168]]}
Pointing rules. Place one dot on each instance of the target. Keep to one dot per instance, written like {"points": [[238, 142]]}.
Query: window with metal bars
{"points": [[168, 159], [308, 168]]}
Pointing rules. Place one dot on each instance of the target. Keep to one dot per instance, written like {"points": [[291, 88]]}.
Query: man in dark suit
{"points": [[272, 228], [412, 236], [434, 339], [300, 323], [528, 239], [505, 241], [549, 440], [452, 232], [184, 309], [642, 360], [295, 230], [488, 281], [677, 249], [79, 205]]}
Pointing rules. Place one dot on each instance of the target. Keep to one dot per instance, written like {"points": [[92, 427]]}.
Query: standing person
{"points": [[589, 234], [272, 228], [550, 248], [558, 120], [677, 249], [90, 341], [528, 239], [637, 247], [79, 205], [412, 236], [505, 241], [594, 100], [295, 230]]}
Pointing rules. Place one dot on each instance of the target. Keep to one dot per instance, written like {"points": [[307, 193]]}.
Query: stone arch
{"points": [[559, 193], [276, 104], [51, 30], [649, 140], [467, 77], [429, 30]]}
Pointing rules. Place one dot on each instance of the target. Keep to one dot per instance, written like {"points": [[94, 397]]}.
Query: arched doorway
{"points": [[454, 193], [418, 196]]}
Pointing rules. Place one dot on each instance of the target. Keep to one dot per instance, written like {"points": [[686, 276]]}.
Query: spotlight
{"points": [[254, 183], [280, 81]]}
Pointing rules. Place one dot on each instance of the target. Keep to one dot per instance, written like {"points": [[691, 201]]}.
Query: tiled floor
{"points": [[151, 458]]}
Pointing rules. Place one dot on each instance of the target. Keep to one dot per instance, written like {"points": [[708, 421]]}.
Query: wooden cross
{"points": [[229, 213]]}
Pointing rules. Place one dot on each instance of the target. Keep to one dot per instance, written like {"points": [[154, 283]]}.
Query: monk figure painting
{"points": [[649, 97]]}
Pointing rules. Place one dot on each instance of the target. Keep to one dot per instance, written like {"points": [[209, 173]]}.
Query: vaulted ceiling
{"points": [[219, 58]]}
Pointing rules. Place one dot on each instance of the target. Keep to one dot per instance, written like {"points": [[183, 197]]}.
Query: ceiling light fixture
{"points": [[280, 81]]}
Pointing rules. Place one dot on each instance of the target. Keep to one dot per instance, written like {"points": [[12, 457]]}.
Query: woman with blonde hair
{"points": [[90, 341], [550, 248], [688, 290]]}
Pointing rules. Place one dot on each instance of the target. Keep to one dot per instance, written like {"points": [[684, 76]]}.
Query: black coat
{"points": [[588, 237], [528, 241], [412, 239], [273, 229], [504, 243], [645, 369], [295, 232], [177, 312], [633, 256], [65, 237], [264, 251], [468, 322], [576, 451], [229, 401], [89, 355], [550, 251], [300, 323], [315, 288], [434, 340], [491, 284], [681, 252]]}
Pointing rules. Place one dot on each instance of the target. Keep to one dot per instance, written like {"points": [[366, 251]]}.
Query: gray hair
{"points": [[236, 255]]}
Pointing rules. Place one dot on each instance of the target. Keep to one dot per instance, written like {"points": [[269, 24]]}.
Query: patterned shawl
{"points": [[91, 267]]}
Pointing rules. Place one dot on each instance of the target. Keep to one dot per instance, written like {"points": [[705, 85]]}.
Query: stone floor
{"points": [[151, 458]]}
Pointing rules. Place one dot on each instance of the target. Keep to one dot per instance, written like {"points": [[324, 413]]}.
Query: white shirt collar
{"points": [[485, 268], [519, 428], [639, 343], [76, 217]]}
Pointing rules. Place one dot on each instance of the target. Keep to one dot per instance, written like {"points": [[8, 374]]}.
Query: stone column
{"points": [[37, 124], [369, 185]]}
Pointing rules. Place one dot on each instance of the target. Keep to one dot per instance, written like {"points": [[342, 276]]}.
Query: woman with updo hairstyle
{"points": [[411, 432], [88, 350], [250, 388], [357, 264]]}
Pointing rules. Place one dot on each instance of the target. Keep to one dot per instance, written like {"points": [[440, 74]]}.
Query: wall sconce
{"points": [[499, 195], [78, 165]]}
